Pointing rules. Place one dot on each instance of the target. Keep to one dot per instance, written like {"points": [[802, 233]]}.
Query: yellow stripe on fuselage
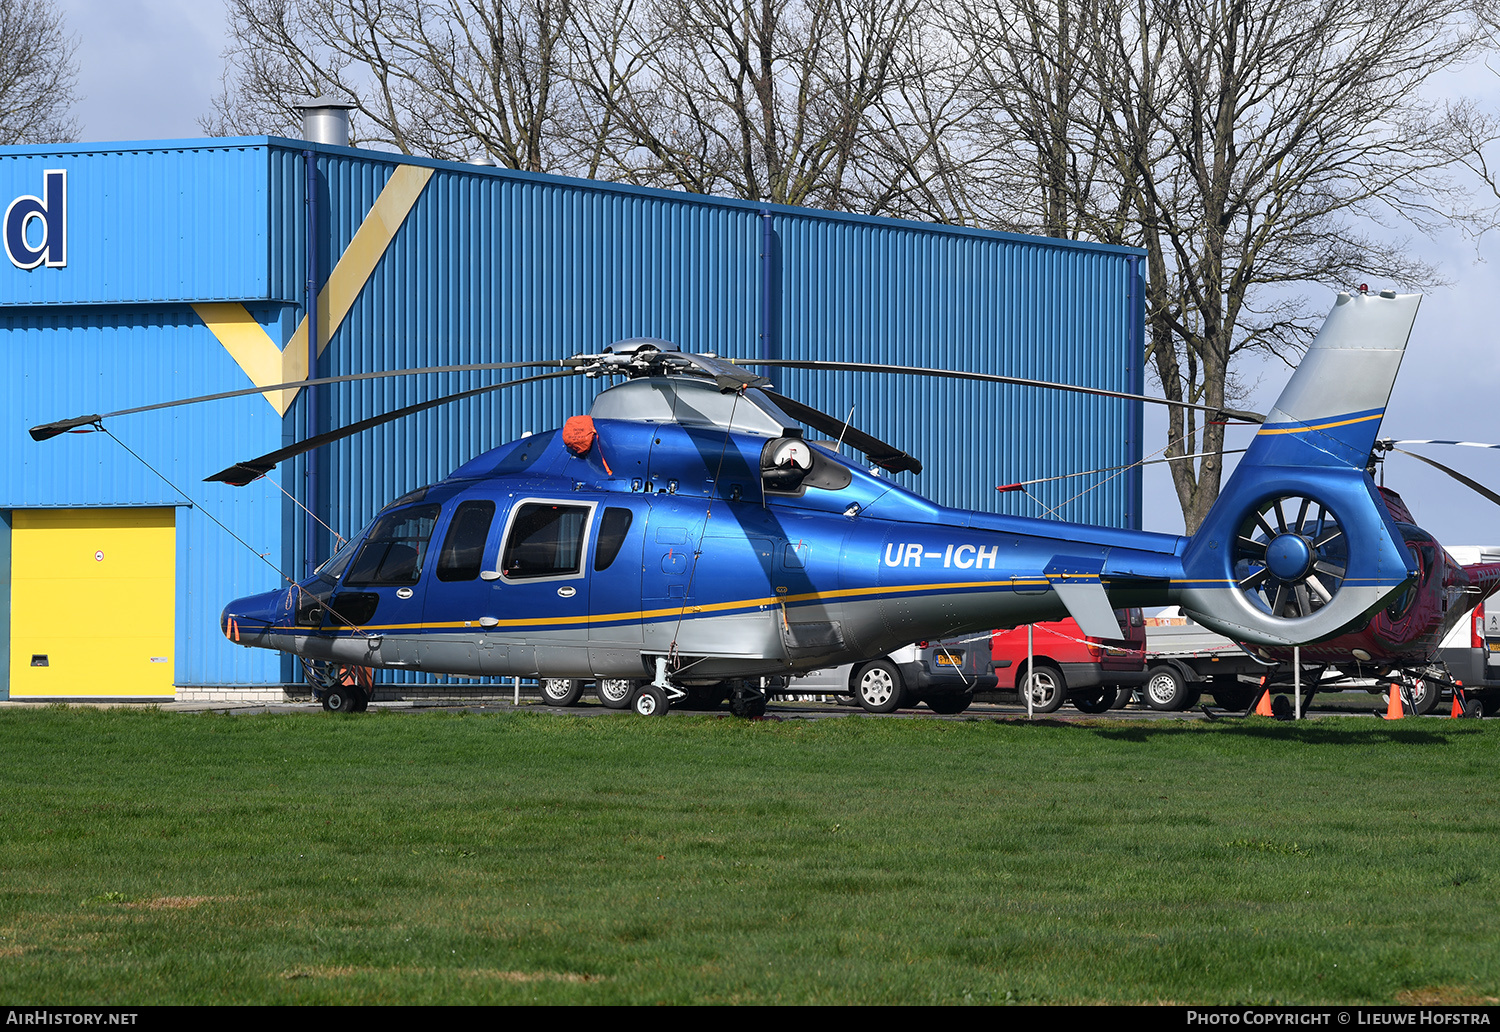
{"points": [[765, 602]]}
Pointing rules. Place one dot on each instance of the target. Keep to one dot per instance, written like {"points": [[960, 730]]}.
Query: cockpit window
{"points": [[463, 547], [395, 548], [332, 567]]}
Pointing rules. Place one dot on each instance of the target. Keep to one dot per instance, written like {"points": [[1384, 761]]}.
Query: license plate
{"points": [[950, 659], [1494, 646]]}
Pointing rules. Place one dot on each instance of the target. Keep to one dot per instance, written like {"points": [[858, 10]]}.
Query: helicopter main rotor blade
{"points": [[1455, 474], [242, 473], [883, 455], [47, 431], [954, 374], [1461, 444]]}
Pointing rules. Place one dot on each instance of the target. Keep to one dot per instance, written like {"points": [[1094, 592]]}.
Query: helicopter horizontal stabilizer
{"points": [[1089, 606], [1299, 546]]}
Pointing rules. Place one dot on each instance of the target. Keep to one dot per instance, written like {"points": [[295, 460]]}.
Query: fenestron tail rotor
{"points": [[1291, 556]]}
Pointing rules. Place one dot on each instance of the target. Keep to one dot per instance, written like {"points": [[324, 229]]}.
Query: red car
{"points": [[1069, 665]]}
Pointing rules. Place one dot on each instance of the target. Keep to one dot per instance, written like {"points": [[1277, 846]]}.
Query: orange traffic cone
{"points": [[1458, 709], [1263, 707], [1393, 708]]}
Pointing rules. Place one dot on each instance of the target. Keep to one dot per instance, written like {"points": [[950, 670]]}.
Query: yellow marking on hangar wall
{"points": [[254, 350], [92, 590]]}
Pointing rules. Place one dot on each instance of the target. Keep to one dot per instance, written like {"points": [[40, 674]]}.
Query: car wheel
{"points": [[561, 691], [950, 702], [1047, 688], [878, 687], [1423, 695], [615, 692], [1092, 700], [650, 701], [1165, 689], [1123, 697]]}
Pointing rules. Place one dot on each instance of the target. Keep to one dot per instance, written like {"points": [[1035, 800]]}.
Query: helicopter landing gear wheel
{"points": [[649, 701], [615, 692], [747, 702], [1047, 688], [561, 691], [340, 688], [878, 688]]}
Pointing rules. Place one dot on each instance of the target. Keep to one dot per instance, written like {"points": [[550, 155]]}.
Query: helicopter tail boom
{"points": [[1299, 546]]}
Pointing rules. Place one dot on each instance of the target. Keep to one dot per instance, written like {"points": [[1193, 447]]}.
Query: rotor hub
{"points": [[1290, 557]]}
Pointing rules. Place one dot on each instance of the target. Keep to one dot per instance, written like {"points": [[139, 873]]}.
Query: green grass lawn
{"points": [[150, 857]]}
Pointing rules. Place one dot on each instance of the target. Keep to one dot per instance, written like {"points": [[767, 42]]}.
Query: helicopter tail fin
{"points": [[1299, 547]]}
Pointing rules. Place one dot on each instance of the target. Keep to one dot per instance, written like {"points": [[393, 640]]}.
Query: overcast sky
{"points": [[150, 68]]}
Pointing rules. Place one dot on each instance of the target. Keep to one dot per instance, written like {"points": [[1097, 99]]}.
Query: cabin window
{"points": [[612, 530], [545, 540], [394, 549], [462, 555]]}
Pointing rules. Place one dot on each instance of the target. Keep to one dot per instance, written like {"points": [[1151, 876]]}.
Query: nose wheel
{"points": [[339, 687]]}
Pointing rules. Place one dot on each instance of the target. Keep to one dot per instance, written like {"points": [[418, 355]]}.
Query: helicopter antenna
{"points": [[847, 420]]}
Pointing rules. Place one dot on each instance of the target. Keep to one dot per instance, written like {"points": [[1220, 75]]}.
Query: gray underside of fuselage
{"points": [[1230, 613], [773, 640]]}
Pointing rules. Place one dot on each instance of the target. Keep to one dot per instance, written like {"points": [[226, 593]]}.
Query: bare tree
{"points": [[843, 104], [1253, 147], [38, 74], [445, 78], [827, 103]]}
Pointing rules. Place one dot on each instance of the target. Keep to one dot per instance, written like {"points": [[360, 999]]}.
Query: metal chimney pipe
{"points": [[325, 120]]}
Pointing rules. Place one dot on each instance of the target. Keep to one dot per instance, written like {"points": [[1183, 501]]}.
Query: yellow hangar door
{"points": [[91, 602]]}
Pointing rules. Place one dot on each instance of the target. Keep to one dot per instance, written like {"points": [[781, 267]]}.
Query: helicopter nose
{"points": [[247, 620]]}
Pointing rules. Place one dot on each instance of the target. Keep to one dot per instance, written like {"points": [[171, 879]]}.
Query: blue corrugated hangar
{"points": [[142, 272]]}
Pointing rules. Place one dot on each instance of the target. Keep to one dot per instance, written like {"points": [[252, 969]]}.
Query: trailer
{"points": [[1185, 659]]}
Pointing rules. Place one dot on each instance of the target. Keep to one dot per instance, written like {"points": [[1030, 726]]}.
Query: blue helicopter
{"points": [[686, 542]]}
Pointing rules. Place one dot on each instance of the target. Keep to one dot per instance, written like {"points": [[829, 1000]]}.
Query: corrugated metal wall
{"points": [[153, 223], [493, 265], [68, 361]]}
